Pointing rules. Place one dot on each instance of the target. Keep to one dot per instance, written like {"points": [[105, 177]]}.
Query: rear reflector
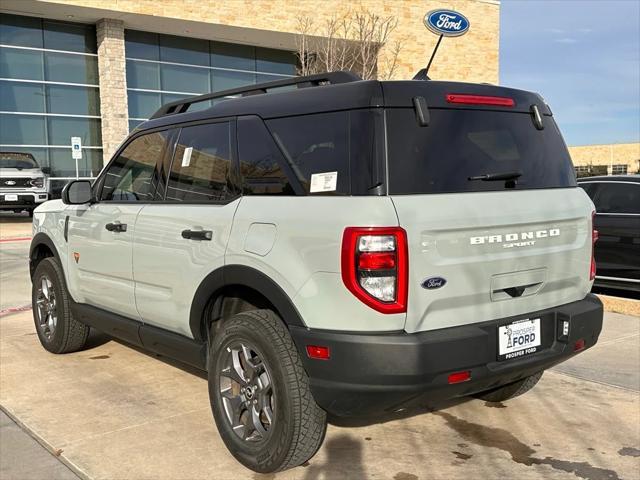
{"points": [[318, 352], [579, 345], [459, 377], [480, 100]]}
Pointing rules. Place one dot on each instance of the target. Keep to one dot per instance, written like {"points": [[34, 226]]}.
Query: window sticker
{"points": [[324, 182], [186, 156]]}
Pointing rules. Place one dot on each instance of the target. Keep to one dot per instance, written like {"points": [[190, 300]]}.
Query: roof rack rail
{"points": [[181, 106]]}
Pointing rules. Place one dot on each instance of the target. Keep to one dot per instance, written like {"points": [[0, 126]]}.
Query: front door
{"points": [[100, 235]]}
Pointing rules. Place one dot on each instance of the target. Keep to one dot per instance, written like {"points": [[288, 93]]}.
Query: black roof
{"points": [[611, 178], [332, 92]]}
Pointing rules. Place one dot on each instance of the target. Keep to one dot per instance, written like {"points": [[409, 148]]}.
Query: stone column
{"points": [[113, 85]]}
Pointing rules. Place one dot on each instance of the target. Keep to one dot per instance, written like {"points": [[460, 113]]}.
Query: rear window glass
{"points": [[616, 197], [459, 144], [329, 153]]}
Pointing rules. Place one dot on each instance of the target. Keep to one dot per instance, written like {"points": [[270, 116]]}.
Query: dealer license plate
{"points": [[519, 339], [11, 198]]}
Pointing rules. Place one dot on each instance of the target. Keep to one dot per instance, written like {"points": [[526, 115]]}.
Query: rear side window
{"points": [[459, 144], [614, 197], [133, 176], [262, 165], [317, 149], [202, 166]]}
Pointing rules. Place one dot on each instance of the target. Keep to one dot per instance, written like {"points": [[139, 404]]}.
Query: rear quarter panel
{"points": [[303, 257]]}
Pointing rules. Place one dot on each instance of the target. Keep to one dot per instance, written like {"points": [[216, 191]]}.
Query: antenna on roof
{"points": [[444, 23]]}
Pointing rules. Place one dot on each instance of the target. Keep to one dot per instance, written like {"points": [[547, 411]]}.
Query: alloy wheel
{"points": [[247, 392]]}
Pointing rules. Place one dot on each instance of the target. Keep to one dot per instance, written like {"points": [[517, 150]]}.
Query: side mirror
{"points": [[46, 170], [77, 192]]}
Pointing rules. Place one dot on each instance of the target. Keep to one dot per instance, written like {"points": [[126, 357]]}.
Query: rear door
{"points": [[180, 239], [517, 242]]}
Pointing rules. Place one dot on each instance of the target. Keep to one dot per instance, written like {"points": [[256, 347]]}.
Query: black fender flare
{"points": [[240, 275], [41, 238]]}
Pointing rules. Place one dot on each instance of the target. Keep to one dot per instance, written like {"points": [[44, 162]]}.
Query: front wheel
{"points": [[58, 330], [260, 394]]}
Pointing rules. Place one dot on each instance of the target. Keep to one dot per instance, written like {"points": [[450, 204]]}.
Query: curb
{"points": [[11, 310], [56, 452]]}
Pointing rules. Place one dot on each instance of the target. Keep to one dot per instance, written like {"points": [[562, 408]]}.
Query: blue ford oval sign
{"points": [[433, 283], [446, 22]]}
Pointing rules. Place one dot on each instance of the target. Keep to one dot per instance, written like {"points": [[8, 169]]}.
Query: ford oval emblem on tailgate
{"points": [[433, 283]]}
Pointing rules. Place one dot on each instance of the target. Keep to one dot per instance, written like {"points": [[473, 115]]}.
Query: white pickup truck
{"points": [[23, 184]]}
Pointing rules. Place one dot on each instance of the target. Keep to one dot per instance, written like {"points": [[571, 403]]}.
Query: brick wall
{"points": [[607, 155], [113, 84], [473, 57]]}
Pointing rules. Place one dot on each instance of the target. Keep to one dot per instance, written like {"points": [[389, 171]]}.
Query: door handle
{"points": [[116, 227], [197, 234]]}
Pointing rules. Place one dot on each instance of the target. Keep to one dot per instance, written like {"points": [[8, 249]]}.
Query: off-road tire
{"points": [[69, 335], [299, 423], [512, 390]]}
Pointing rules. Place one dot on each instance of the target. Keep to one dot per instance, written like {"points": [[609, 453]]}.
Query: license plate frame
{"points": [[519, 338], [10, 197]]}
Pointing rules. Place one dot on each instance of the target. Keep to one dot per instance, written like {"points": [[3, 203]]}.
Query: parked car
{"points": [[327, 244], [23, 184], [617, 219]]}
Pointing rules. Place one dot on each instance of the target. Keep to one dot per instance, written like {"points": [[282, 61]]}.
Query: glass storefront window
{"points": [[143, 104], [64, 67], [177, 78], [72, 100], [179, 67], [22, 129], [61, 129], [143, 75], [71, 37], [20, 31], [41, 114], [24, 64], [21, 97], [190, 51]]}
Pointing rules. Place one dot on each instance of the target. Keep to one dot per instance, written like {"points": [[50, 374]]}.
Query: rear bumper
{"points": [[26, 200], [374, 373]]}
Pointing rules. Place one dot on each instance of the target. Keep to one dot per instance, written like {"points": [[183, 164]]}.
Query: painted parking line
{"points": [[8, 311], [15, 239]]}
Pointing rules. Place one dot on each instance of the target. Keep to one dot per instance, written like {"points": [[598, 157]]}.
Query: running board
{"points": [[154, 339]]}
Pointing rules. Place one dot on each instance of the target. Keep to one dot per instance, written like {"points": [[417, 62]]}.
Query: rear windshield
{"points": [[17, 160], [459, 144]]}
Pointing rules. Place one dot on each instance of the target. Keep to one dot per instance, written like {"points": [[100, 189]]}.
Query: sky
{"points": [[583, 57]]}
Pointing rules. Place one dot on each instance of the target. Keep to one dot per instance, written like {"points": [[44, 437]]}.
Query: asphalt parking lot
{"points": [[114, 412]]}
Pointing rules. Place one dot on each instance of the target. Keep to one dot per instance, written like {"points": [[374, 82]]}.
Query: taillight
{"points": [[480, 100], [375, 266], [594, 239]]}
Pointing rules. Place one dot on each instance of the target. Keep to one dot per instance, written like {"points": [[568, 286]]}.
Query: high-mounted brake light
{"points": [[480, 100], [375, 266], [594, 239]]}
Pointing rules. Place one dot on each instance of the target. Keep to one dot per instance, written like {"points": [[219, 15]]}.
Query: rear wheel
{"points": [[512, 390], [57, 330], [260, 394]]}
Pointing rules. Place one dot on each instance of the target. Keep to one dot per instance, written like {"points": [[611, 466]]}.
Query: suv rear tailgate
{"points": [[489, 246]]}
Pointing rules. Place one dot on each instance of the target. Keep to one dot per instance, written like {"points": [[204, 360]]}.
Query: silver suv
{"points": [[23, 184], [329, 245]]}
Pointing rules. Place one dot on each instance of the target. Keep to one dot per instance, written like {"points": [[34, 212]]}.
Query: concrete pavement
{"points": [[115, 412]]}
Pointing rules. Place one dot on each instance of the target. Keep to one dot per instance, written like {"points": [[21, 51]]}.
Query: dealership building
{"points": [[94, 69]]}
